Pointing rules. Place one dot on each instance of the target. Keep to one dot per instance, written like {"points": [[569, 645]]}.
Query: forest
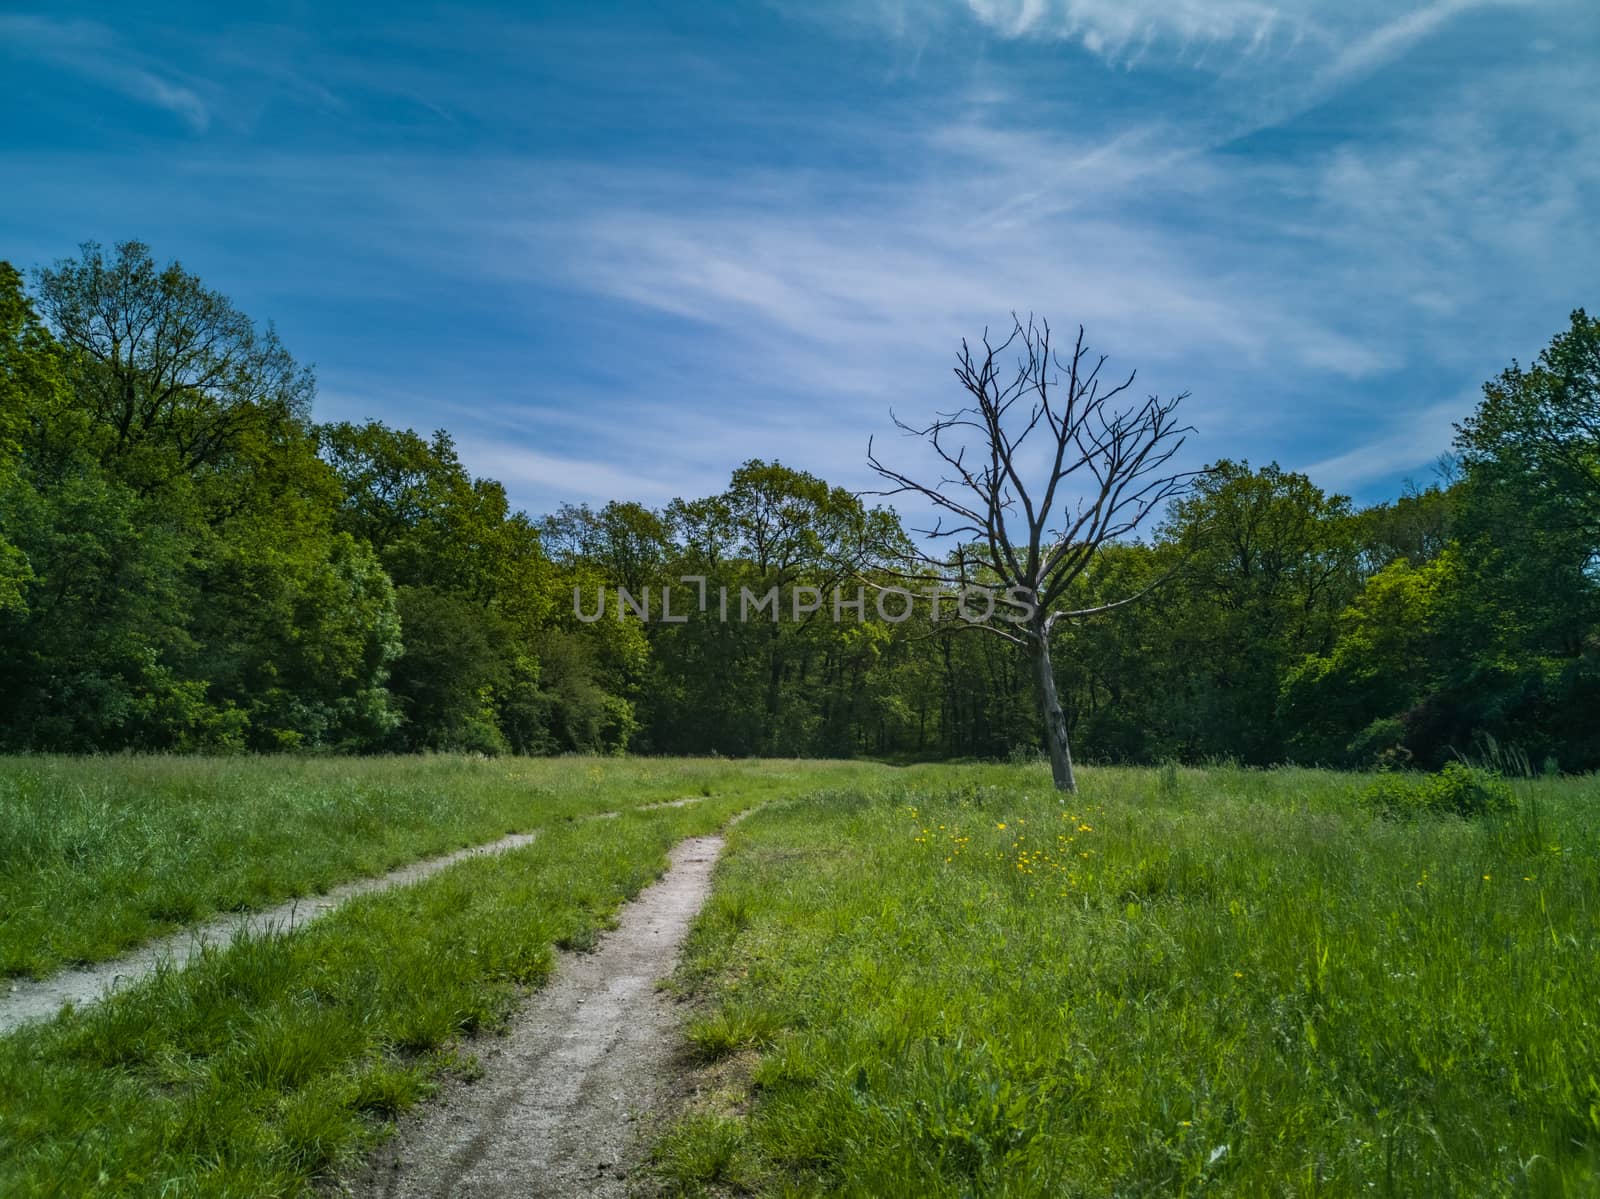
{"points": [[189, 561]]}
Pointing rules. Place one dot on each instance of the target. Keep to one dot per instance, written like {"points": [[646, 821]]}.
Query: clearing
{"points": [[939, 981]]}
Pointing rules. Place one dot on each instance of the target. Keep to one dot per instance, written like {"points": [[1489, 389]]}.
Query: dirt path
{"points": [[556, 1109], [653, 807], [24, 1000]]}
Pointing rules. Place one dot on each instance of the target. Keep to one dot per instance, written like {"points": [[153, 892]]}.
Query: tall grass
{"points": [[1218, 982], [100, 854], [263, 1063]]}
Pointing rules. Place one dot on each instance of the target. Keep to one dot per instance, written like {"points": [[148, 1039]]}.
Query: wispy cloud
{"points": [[1338, 41], [1392, 38], [579, 479], [1118, 28], [908, 267], [1120, 31], [1454, 209], [1406, 443], [93, 52], [635, 317]]}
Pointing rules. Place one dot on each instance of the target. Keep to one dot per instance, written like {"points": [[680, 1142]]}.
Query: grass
{"points": [[933, 981], [254, 1070], [1221, 982], [100, 854]]}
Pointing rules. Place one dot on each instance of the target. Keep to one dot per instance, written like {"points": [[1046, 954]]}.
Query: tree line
{"points": [[189, 561]]}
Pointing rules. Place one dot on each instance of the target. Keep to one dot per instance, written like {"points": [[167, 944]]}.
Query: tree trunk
{"points": [[1055, 724]]}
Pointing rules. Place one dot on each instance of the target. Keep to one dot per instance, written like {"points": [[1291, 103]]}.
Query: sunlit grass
{"points": [[1181, 982], [263, 1063], [948, 980], [100, 854]]}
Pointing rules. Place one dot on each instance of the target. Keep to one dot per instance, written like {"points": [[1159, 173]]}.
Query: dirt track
{"points": [[555, 1111], [24, 1000]]}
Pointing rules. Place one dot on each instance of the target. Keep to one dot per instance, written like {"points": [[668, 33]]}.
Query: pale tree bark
{"points": [[1055, 721], [1106, 467]]}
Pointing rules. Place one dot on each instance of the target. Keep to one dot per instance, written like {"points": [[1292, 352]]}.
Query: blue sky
{"points": [[617, 249]]}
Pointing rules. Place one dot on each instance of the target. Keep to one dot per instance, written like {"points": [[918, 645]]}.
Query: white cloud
{"points": [[1336, 41], [93, 52], [1407, 442], [1392, 38], [915, 265], [579, 479], [1113, 28], [1452, 211], [783, 311]]}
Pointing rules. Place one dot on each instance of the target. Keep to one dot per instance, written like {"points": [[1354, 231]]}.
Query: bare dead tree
{"points": [[1108, 468]]}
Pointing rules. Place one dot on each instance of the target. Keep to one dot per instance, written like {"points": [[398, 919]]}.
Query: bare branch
{"points": [[1111, 466]]}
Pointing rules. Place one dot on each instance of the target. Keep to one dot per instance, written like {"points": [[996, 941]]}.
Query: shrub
{"points": [[1381, 744], [1458, 790]]}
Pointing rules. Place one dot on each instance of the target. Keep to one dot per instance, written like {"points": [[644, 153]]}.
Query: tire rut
{"points": [[560, 1100], [23, 1001]]}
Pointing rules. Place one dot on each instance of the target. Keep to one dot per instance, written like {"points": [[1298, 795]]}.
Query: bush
{"points": [[1458, 790], [1381, 744]]}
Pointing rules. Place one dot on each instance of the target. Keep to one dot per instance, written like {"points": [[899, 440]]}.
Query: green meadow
{"points": [[933, 980], [1164, 763], [1181, 982], [100, 854], [269, 1060]]}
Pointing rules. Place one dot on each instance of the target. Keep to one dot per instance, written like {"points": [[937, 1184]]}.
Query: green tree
{"points": [[493, 657], [187, 587], [1527, 660], [1346, 706], [1270, 562], [31, 387], [625, 540], [1415, 527], [1498, 633], [89, 661], [763, 684], [171, 372], [1537, 432]]}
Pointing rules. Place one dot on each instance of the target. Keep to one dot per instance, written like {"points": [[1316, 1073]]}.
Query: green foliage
{"points": [[1456, 790], [1383, 659], [187, 562], [261, 1065], [770, 687], [446, 676], [1271, 562], [172, 375], [1381, 744], [99, 854], [1248, 985], [1536, 432], [91, 659], [30, 387], [185, 588]]}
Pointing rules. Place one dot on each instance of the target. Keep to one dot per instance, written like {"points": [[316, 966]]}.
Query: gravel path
{"points": [[562, 1093]]}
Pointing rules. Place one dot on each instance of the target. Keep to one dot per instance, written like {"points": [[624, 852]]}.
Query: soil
{"points": [[25, 1000], [564, 1097]]}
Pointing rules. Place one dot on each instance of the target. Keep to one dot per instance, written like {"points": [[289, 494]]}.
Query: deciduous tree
{"points": [[1106, 464]]}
